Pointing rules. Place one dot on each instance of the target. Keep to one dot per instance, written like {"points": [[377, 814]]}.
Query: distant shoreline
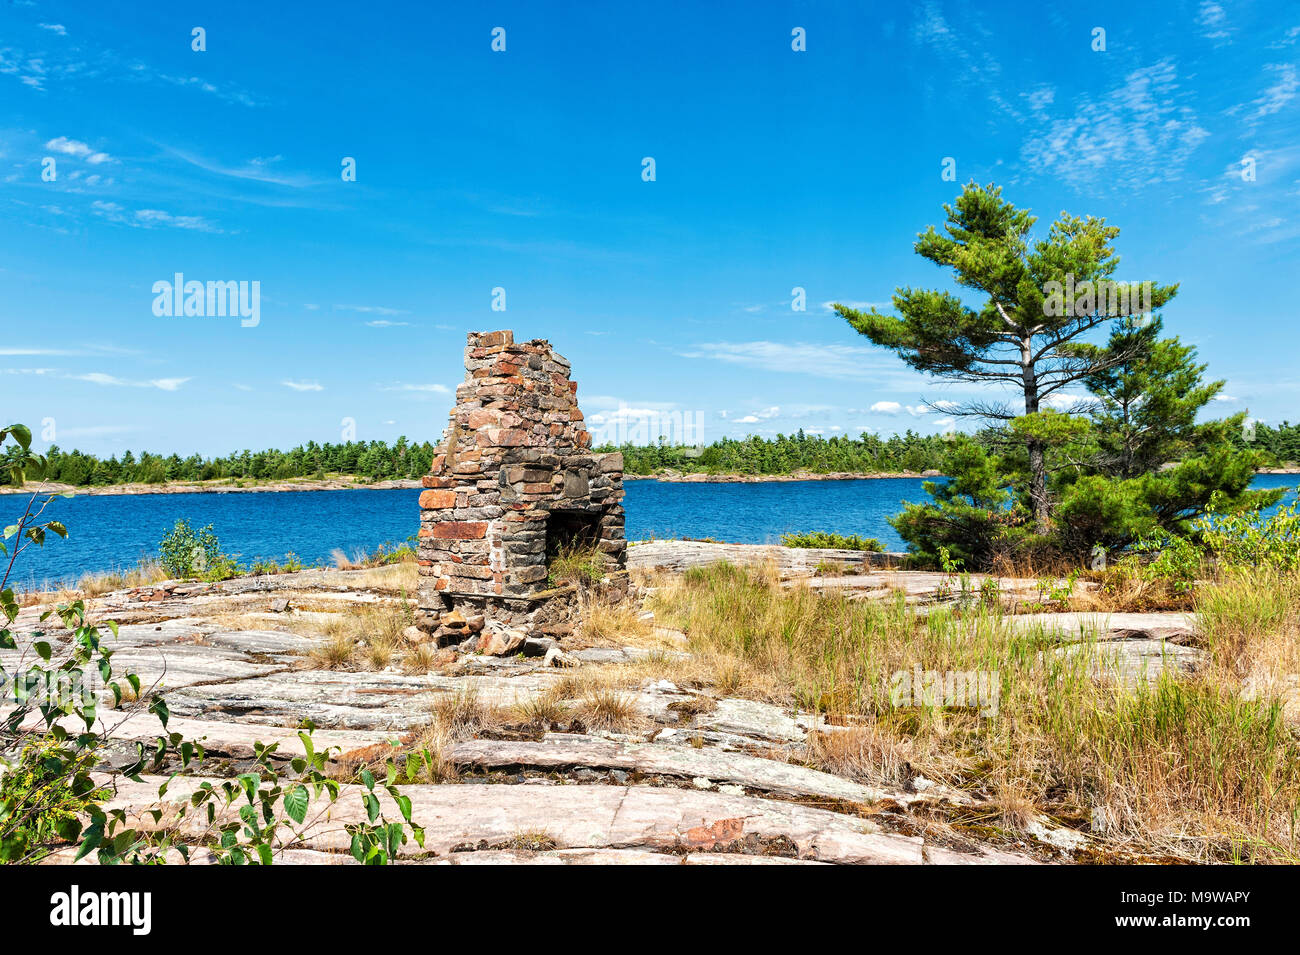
{"points": [[339, 484], [54, 487]]}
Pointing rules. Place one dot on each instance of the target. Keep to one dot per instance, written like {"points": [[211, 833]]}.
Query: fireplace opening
{"points": [[573, 554]]}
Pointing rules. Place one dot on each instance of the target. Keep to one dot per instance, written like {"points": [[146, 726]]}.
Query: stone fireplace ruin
{"points": [[512, 484]]}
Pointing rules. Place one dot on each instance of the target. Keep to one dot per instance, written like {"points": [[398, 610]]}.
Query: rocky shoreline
{"points": [[693, 774], [54, 487], [677, 477], [339, 484]]}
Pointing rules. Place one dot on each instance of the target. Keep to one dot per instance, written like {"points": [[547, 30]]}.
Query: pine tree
{"points": [[1021, 332]]}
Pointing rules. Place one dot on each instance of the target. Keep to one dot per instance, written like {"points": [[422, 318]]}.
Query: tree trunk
{"points": [[1038, 486], [1037, 450]]}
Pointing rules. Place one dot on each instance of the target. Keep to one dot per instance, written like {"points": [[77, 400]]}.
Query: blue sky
{"points": [[522, 170]]}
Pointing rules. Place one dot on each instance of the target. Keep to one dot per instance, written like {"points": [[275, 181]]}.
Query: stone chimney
{"points": [[512, 483]]}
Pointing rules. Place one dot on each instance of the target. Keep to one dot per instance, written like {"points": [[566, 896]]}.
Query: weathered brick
{"points": [[437, 500], [458, 530]]}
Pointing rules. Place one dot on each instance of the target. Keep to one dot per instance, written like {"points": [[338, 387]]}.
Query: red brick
{"points": [[459, 530], [436, 500]]}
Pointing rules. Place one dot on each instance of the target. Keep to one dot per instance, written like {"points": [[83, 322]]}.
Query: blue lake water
{"points": [[114, 531]]}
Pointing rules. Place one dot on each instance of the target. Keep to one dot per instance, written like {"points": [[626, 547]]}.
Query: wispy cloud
{"points": [[257, 169], [1276, 96], [757, 416], [820, 360], [371, 309], [303, 385], [439, 389], [100, 378], [78, 150], [1143, 131], [151, 218], [1213, 21]]}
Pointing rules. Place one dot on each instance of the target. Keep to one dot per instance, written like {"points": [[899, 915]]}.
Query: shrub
{"points": [[1247, 539], [831, 540], [184, 552]]}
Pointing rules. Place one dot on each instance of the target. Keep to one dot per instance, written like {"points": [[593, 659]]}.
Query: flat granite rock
{"points": [[759, 721], [682, 555], [260, 641], [559, 750], [1131, 661], [595, 817], [183, 665], [384, 701], [1109, 626]]}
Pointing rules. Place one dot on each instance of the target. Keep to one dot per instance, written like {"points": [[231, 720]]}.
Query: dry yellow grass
{"points": [[420, 659], [394, 578], [1186, 765], [542, 710], [334, 652], [374, 634], [455, 716], [145, 573], [606, 708]]}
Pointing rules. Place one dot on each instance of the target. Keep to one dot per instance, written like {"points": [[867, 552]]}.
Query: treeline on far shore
{"points": [[380, 461]]}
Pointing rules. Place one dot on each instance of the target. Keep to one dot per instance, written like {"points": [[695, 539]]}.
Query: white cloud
{"points": [[440, 389], [823, 361], [79, 150], [385, 323], [1288, 39], [1064, 401], [152, 217], [369, 309], [1141, 132], [149, 218], [1213, 21], [58, 28], [100, 378], [1277, 96], [303, 385], [893, 408]]}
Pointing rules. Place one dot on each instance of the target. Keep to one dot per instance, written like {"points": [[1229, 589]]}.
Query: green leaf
{"points": [[42, 650], [93, 836], [20, 432], [295, 803], [158, 707], [250, 782]]}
